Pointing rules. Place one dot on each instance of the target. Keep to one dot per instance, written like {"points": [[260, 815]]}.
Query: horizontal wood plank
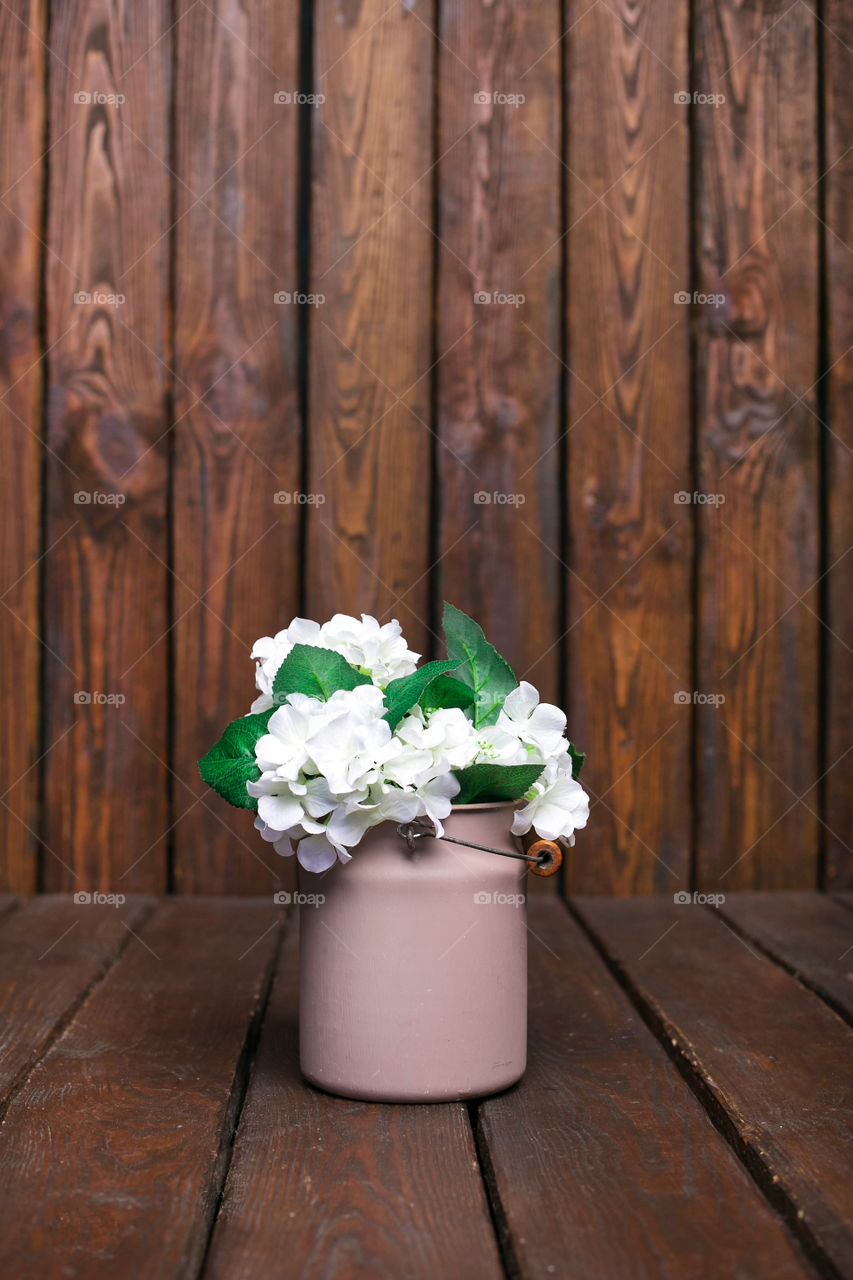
{"points": [[808, 933], [773, 1060], [111, 1155], [52, 951], [603, 1160], [324, 1186]]}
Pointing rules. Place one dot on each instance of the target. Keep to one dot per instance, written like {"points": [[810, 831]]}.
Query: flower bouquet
{"points": [[348, 732], [410, 989]]}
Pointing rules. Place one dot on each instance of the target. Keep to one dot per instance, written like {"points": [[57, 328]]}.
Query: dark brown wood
{"points": [[52, 952], [603, 1124], [370, 344], [22, 57], [237, 434], [500, 362], [330, 1187], [808, 933], [773, 1061], [836, 34], [757, 248], [106, 811], [121, 1131], [629, 440]]}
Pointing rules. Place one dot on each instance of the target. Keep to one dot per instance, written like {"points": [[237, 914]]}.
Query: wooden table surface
{"points": [[686, 1110]]}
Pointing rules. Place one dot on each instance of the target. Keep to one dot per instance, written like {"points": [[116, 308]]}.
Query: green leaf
{"points": [[446, 691], [401, 695], [495, 781], [230, 764], [578, 758], [315, 671], [480, 665]]}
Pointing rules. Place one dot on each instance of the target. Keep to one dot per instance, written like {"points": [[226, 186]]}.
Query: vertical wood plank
{"points": [[499, 367], [22, 24], [237, 438], [370, 340], [837, 37], [756, 246], [108, 205], [629, 440]]}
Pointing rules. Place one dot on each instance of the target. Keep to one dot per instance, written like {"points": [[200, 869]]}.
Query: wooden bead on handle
{"points": [[548, 850]]}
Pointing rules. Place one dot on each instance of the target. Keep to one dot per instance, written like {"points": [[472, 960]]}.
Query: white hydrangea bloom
{"points": [[331, 770], [538, 724], [380, 650], [559, 807]]}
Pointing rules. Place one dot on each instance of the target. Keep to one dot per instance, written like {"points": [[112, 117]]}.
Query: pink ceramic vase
{"points": [[413, 980]]}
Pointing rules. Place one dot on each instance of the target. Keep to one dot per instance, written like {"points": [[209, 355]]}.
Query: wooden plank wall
{"points": [[491, 390]]}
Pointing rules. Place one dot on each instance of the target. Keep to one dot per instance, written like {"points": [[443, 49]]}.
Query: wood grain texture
{"points": [[603, 1119], [330, 1187], [52, 951], [769, 1054], [499, 371], [370, 341], [119, 1133], [106, 586], [22, 30], [808, 933], [756, 247], [837, 38], [629, 440], [237, 434]]}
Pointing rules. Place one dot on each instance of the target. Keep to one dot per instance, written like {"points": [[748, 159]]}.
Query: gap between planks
{"points": [[812, 985], [239, 1089], [497, 1212], [760, 1172]]}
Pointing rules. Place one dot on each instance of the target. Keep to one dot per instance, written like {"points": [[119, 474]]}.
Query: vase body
{"points": [[413, 967]]}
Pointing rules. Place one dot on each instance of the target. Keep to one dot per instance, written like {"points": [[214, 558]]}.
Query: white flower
{"points": [[539, 724], [353, 740], [316, 854], [499, 745], [271, 651], [436, 799], [381, 650], [284, 747], [559, 807]]}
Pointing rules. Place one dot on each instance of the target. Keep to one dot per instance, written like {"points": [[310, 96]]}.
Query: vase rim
{"points": [[480, 805]]}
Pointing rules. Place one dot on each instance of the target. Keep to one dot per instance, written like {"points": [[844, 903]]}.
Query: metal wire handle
{"points": [[544, 862]]}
